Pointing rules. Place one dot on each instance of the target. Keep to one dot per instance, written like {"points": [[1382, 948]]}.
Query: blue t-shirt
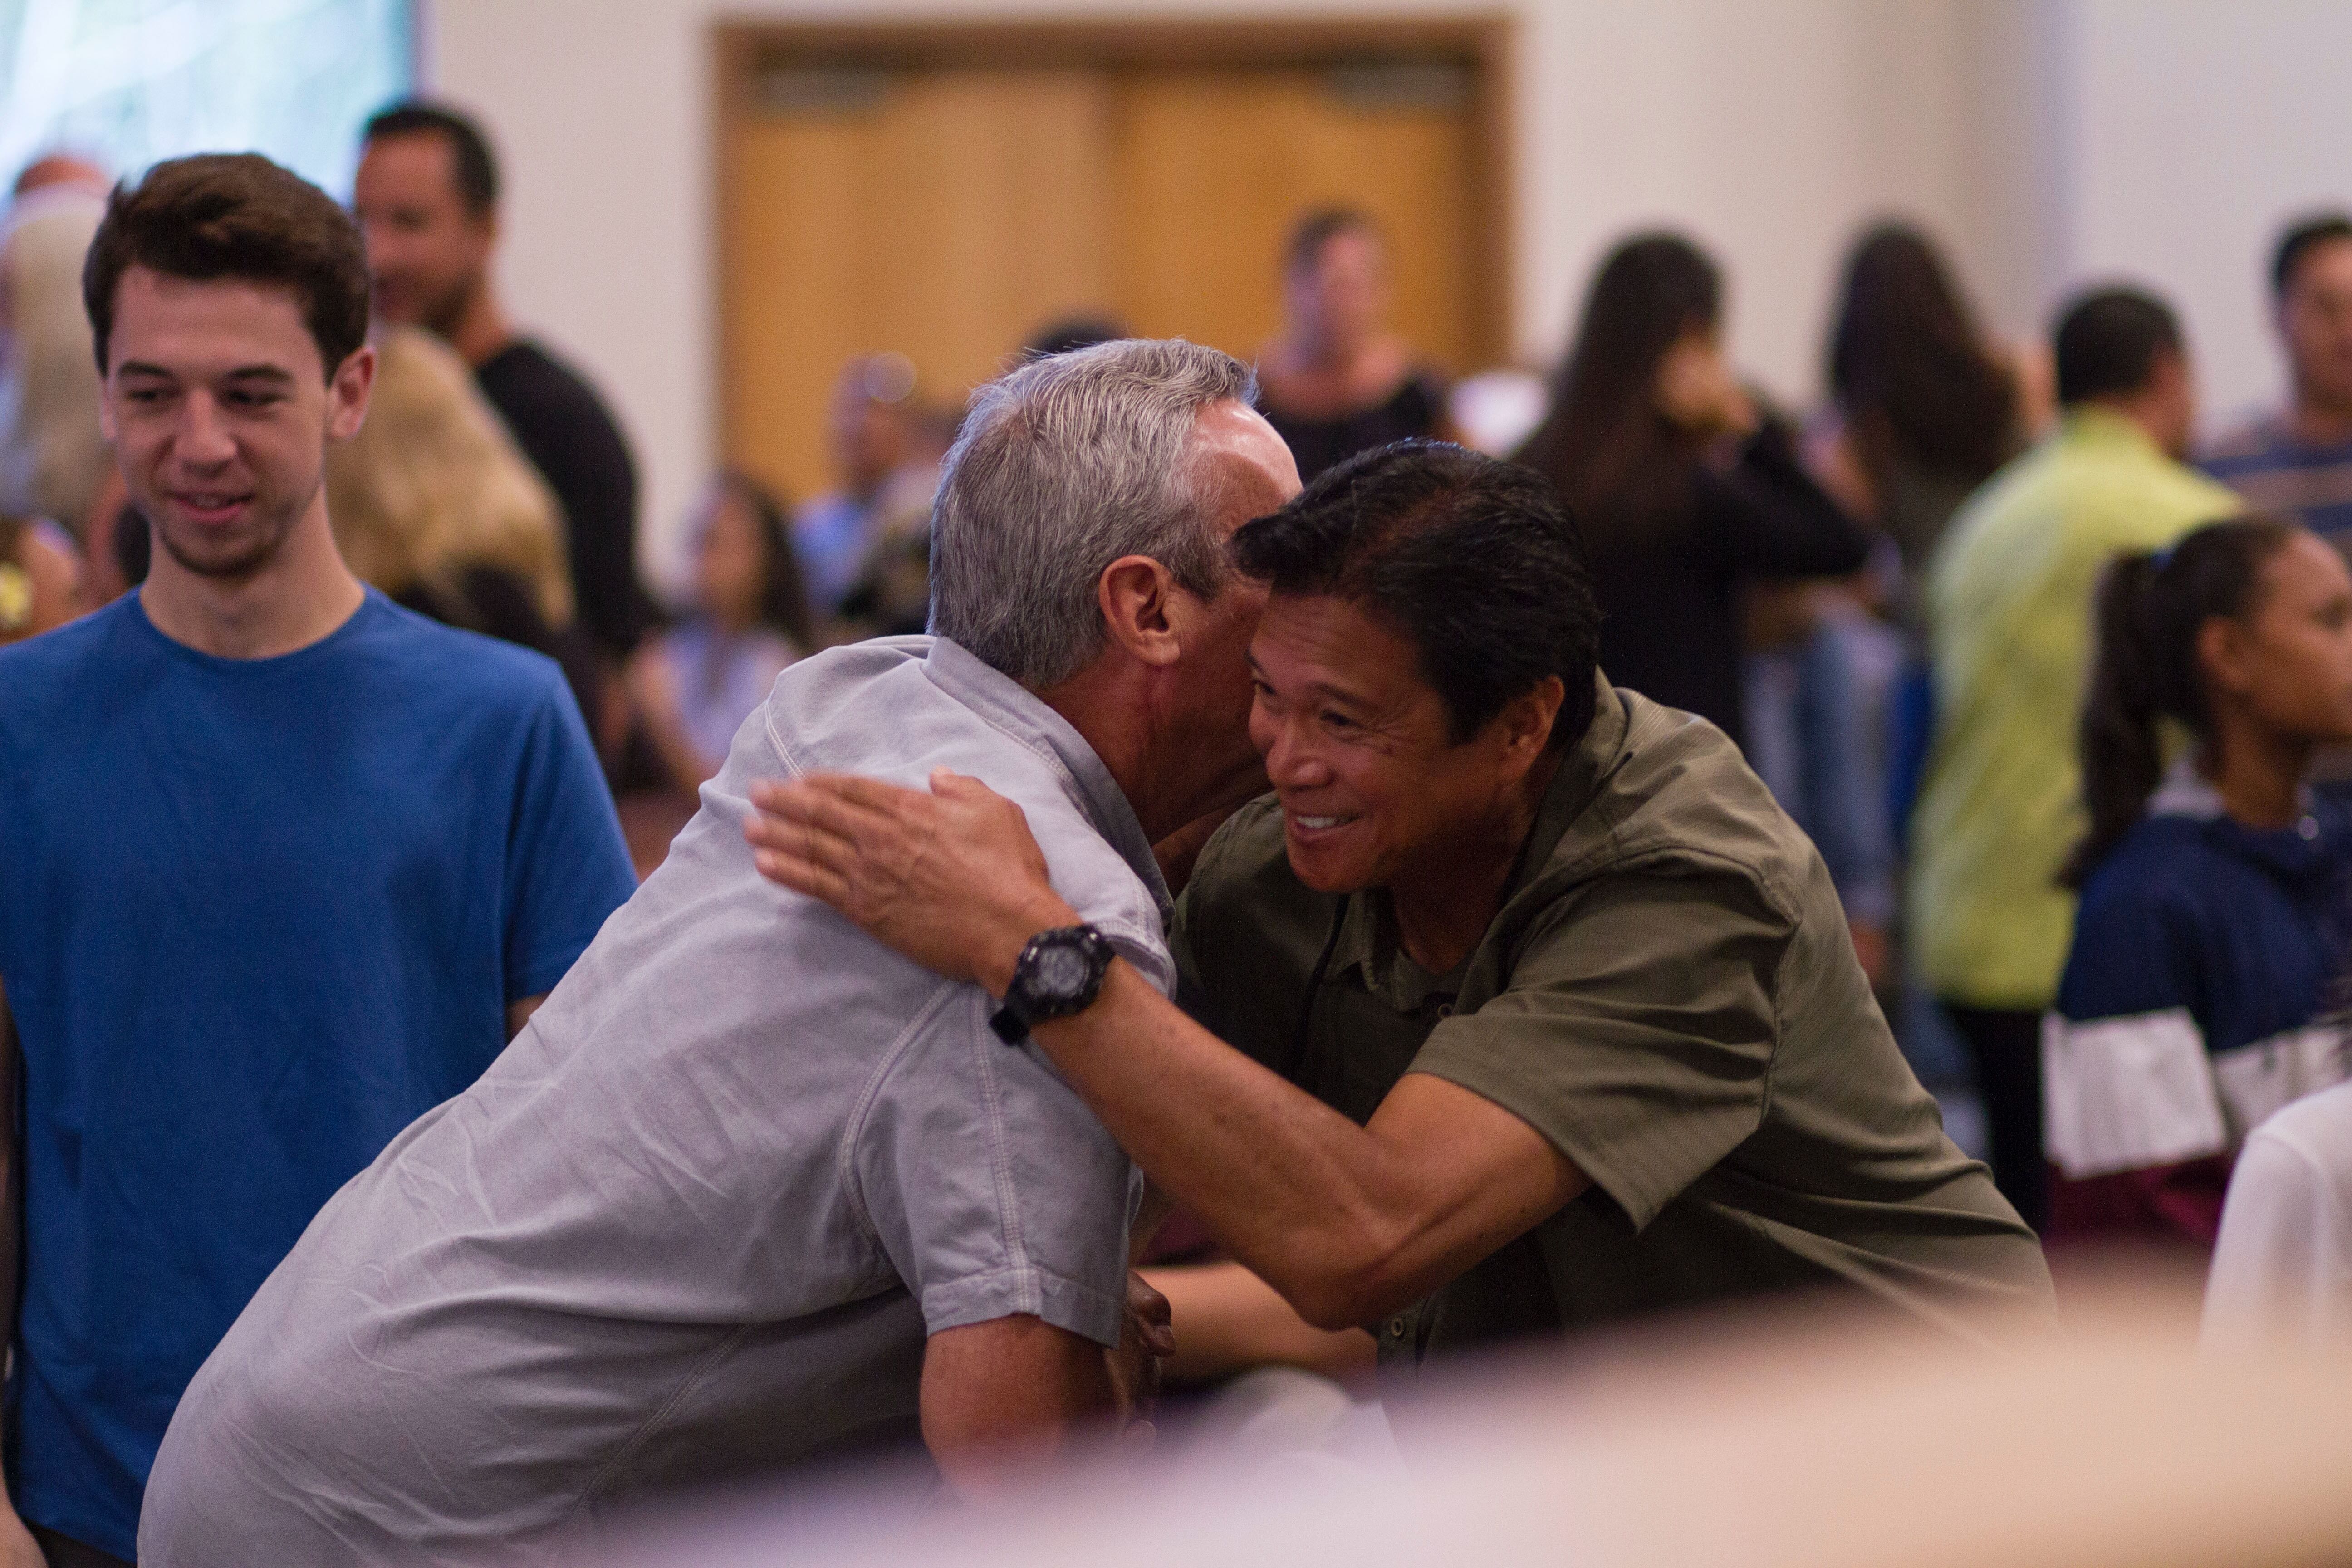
{"points": [[255, 917]]}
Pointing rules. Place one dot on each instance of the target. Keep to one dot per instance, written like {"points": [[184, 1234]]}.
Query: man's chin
{"points": [[225, 560]]}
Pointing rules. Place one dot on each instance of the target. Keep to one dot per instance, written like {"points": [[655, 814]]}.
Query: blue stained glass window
{"points": [[132, 81]]}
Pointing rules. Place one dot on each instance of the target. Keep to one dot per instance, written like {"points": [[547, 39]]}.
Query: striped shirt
{"points": [[2277, 471]]}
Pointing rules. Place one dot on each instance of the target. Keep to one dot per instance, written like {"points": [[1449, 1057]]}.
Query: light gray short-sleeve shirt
{"points": [[700, 1217]]}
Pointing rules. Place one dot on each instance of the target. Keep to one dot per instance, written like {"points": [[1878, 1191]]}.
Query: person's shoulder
{"points": [[2317, 1128], [2130, 495], [62, 650], [876, 708], [1244, 862], [2159, 859], [1682, 801], [452, 663], [2013, 494], [527, 373], [55, 673]]}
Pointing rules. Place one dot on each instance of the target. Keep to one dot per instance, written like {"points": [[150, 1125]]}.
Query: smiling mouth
{"points": [[1306, 823], [211, 507]]}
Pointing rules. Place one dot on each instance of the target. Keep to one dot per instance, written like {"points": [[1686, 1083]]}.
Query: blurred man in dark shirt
{"points": [[426, 199]]}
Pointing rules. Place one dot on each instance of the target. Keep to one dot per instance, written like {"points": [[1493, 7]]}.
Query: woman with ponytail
{"points": [[2216, 881]]}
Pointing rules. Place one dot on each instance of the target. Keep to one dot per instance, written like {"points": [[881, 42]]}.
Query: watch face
{"points": [[1061, 972]]}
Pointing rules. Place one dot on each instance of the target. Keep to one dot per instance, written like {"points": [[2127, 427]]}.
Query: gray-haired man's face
{"points": [[1257, 475]]}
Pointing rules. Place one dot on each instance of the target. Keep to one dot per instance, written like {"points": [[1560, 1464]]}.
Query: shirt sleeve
{"points": [[2126, 1084], [1637, 1032], [989, 1184], [567, 865]]}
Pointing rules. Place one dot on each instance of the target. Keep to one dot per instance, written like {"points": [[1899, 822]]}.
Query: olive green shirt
{"points": [[1670, 995]]}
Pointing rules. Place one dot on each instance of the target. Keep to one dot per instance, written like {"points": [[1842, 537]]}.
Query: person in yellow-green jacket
{"points": [[2009, 610]]}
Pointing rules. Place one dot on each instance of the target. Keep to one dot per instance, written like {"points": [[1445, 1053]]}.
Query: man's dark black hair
{"points": [[2108, 341], [470, 150], [1474, 561], [2302, 236]]}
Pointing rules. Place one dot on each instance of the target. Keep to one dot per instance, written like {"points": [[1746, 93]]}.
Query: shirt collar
{"points": [[2089, 425], [1016, 712], [2186, 792], [1367, 939]]}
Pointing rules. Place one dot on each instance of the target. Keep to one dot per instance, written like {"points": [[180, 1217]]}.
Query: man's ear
{"points": [[347, 393], [1527, 720], [1137, 595]]}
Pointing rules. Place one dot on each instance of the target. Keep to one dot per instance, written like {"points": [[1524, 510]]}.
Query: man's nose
{"points": [[1291, 764], [203, 436]]}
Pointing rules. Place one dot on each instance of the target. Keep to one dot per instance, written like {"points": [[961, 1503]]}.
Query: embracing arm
{"points": [[1000, 1396], [1346, 1222]]}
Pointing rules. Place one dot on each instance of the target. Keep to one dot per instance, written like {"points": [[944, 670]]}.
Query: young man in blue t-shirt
{"points": [[281, 865]]}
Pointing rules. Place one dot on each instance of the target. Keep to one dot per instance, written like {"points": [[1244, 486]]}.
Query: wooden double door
{"points": [[945, 194]]}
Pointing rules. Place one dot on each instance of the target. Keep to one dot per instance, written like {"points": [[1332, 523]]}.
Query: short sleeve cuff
{"points": [[1067, 1305], [539, 975], [1641, 1187]]}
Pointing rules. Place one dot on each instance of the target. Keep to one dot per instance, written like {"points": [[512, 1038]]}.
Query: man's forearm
{"points": [[1003, 1396], [1346, 1222]]}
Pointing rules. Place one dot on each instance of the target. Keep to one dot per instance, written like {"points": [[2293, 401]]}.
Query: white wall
{"points": [[2193, 131], [1769, 128]]}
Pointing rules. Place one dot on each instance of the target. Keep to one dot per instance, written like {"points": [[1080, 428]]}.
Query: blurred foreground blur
{"points": [[1808, 1439]]}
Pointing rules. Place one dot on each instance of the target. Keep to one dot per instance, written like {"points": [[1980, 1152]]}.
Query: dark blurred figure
{"points": [[1072, 333], [694, 684], [52, 453], [885, 484], [1926, 409], [1338, 381], [1686, 490], [427, 199], [2299, 460]]}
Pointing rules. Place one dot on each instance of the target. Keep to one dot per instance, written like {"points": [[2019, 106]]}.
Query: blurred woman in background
{"points": [[693, 685], [1338, 381], [1924, 407], [433, 504], [2216, 914], [1686, 490]]}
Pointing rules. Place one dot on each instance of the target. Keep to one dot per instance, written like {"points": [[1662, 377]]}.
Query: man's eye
{"points": [[1338, 721], [255, 400]]}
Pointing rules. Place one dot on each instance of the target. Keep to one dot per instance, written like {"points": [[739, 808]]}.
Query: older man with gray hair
{"points": [[749, 1190]]}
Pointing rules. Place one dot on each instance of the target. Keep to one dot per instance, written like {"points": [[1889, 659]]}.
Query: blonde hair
{"points": [[432, 485]]}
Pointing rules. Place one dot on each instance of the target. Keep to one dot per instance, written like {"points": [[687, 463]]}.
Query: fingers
{"points": [[1148, 1311], [803, 876], [842, 802]]}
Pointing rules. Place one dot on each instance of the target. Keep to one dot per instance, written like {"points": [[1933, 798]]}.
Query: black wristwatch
{"points": [[1060, 973]]}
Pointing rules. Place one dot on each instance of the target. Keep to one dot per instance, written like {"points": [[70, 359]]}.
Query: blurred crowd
{"points": [[2060, 696]]}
